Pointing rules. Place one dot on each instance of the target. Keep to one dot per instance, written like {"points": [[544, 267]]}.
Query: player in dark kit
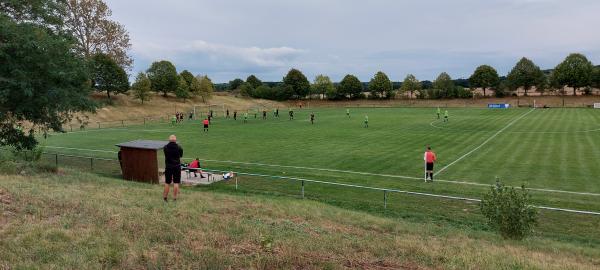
{"points": [[227, 113], [264, 114], [291, 114], [312, 118], [234, 115]]}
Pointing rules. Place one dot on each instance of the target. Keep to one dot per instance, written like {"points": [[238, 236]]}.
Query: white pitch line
{"points": [[348, 172], [485, 142]]}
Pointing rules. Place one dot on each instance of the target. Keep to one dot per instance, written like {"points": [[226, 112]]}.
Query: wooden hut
{"points": [[139, 160]]}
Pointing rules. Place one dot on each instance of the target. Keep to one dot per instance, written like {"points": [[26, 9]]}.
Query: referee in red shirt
{"points": [[429, 159]]}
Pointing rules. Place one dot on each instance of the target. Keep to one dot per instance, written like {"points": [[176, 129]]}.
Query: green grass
{"points": [[545, 149], [75, 220]]}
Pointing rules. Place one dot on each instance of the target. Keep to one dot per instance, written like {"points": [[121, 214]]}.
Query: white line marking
{"points": [[344, 171], [485, 142]]}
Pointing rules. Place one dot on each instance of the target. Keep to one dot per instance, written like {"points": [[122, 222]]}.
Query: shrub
{"points": [[509, 211]]}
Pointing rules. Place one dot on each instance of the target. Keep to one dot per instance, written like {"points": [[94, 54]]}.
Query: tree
{"points": [[43, 82], [527, 75], [108, 76], [195, 87], [188, 77], [183, 89], [445, 85], [350, 87], [235, 84], [246, 90], [575, 71], [596, 77], [206, 87], [89, 21], [298, 82], [484, 77], [380, 85], [410, 84], [322, 85], [253, 81], [163, 76], [142, 87]]}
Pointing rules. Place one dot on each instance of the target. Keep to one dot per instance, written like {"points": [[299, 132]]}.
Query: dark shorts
{"points": [[429, 166], [172, 175], [205, 126]]}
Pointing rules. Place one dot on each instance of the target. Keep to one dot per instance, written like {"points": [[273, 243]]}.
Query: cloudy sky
{"points": [[226, 39]]}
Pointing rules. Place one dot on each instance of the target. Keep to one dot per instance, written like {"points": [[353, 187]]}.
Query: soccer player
{"points": [[205, 123], [245, 117], [429, 159], [348, 112], [291, 114], [173, 120], [366, 121], [446, 116], [439, 112], [227, 113], [234, 115], [312, 118], [277, 112], [264, 114]]}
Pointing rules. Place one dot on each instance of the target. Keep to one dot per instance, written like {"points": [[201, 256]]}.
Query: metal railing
{"points": [[111, 167]]}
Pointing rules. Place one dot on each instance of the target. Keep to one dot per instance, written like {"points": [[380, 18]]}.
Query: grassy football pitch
{"points": [[555, 152]]}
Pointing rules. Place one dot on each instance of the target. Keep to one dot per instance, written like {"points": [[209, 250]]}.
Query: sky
{"points": [[227, 39]]}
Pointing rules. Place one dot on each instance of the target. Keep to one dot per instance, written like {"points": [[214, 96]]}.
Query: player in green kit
{"points": [[348, 113], [446, 116], [439, 112], [173, 120], [366, 121]]}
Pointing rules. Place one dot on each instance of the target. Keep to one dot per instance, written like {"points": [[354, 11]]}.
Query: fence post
{"points": [[122, 123], [71, 127], [302, 189], [236, 183], [385, 199], [144, 121], [98, 124], [56, 159], [91, 164]]}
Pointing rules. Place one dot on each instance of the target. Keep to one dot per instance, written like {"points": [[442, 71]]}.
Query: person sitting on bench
{"points": [[195, 167]]}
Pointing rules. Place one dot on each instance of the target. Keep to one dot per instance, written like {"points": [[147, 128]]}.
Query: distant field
{"points": [[553, 151]]}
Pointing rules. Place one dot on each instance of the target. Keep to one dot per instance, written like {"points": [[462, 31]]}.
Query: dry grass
{"points": [[81, 221]]}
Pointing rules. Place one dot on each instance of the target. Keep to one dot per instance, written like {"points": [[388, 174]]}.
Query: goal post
{"points": [[202, 110], [596, 105]]}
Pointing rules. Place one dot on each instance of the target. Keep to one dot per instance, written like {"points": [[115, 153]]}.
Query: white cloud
{"points": [[264, 57]]}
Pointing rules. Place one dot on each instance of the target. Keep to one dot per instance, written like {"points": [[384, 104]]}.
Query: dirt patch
{"points": [[5, 198]]}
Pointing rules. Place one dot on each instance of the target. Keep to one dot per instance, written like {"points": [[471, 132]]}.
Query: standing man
{"points": [[246, 117], [264, 114], [291, 114], [446, 116], [173, 120], [205, 123], [227, 113], [366, 121], [429, 159], [312, 118], [277, 112], [173, 153], [234, 115], [348, 113], [439, 112]]}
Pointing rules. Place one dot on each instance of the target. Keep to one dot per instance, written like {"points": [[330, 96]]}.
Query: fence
{"points": [[111, 167], [120, 123]]}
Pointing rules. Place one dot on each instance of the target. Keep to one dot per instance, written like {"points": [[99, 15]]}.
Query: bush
{"points": [[509, 211]]}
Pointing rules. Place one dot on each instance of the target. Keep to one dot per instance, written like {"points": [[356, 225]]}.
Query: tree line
{"points": [[575, 72]]}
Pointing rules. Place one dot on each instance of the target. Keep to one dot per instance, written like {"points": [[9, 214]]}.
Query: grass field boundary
{"points": [[359, 186], [397, 191], [484, 142], [348, 172]]}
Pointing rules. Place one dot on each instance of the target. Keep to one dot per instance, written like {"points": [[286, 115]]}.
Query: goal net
{"points": [[203, 110], [596, 105]]}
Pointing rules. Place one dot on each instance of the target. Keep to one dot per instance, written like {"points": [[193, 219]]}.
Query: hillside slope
{"points": [[81, 221]]}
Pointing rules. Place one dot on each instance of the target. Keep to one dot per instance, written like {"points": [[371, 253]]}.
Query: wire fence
{"points": [[111, 167]]}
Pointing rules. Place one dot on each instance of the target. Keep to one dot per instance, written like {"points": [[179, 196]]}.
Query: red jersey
{"points": [[194, 164], [429, 157], [205, 122]]}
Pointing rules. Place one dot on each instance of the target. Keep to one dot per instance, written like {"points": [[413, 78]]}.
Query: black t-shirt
{"points": [[173, 153]]}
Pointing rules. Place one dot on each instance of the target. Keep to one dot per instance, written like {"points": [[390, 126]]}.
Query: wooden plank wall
{"points": [[139, 165]]}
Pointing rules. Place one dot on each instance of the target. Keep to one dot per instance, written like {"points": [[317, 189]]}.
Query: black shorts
{"points": [[429, 166], [172, 175], [205, 126]]}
